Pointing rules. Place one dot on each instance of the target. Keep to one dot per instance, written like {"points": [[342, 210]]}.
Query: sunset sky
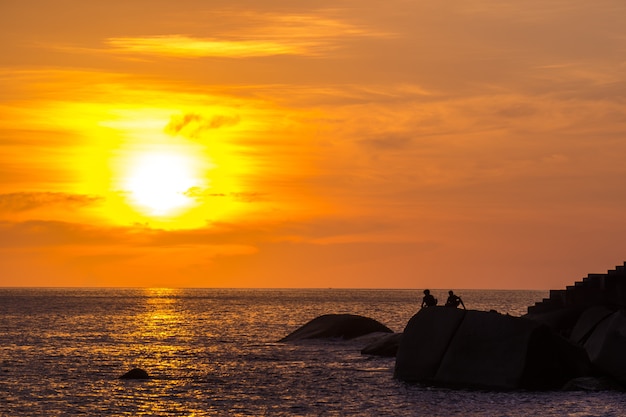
{"points": [[273, 143]]}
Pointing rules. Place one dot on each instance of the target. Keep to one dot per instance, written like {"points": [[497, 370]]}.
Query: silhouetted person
{"points": [[454, 300], [428, 300]]}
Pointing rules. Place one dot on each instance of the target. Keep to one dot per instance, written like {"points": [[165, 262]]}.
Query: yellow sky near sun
{"points": [[473, 144]]}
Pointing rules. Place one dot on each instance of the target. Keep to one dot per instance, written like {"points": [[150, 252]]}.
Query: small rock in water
{"points": [[386, 345], [135, 373]]}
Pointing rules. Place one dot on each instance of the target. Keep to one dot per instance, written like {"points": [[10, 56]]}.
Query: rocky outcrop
{"points": [[560, 321], [606, 345], [385, 346], [135, 373], [587, 322], [342, 326], [466, 348], [592, 314], [562, 308]]}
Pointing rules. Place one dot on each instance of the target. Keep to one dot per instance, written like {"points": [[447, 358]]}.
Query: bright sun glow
{"points": [[158, 181]]}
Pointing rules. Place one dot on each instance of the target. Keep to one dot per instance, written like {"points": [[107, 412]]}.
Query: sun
{"points": [[158, 181]]}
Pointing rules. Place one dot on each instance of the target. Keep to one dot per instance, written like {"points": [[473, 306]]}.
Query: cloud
{"points": [[516, 110], [50, 233], [39, 233], [203, 194], [193, 124], [388, 142], [250, 34], [248, 197], [26, 201], [190, 47]]}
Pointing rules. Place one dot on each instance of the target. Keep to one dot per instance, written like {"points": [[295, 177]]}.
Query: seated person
{"points": [[428, 300], [454, 300]]}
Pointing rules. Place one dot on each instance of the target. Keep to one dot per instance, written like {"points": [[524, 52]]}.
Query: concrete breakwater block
{"points": [[606, 345]]}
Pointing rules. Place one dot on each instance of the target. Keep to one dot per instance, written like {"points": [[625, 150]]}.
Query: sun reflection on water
{"points": [[162, 335]]}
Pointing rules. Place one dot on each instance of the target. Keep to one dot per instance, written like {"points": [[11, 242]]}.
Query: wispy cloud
{"points": [[256, 35], [26, 201], [187, 46], [204, 194], [193, 124], [40, 233]]}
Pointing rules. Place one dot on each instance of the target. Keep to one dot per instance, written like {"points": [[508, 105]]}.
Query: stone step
{"points": [[557, 294], [618, 271], [545, 306], [594, 289], [611, 282], [583, 297], [539, 308], [594, 280]]}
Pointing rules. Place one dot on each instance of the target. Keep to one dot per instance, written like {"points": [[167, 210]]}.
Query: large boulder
{"points": [[466, 348], [343, 326], [426, 338], [606, 345]]}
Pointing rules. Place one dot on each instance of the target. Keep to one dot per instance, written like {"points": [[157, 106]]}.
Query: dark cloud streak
{"points": [[192, 125], [26, 201], [247, 197]]}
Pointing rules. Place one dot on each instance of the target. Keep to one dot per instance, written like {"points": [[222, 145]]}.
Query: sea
{"points": [[216, 352]]}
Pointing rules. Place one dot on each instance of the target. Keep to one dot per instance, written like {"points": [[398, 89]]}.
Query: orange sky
{"points": [[403, 144]]}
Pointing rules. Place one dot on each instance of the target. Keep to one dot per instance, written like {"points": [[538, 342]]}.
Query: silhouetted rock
{"points": [[135, 373], [426, 339], [600, 329], [606, 345], [560, 321], [587, 322], [607, 289], [591, 313], [386, 345], [344, 326], [467, 348]]}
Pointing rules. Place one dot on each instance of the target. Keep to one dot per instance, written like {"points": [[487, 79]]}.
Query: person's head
{"points": [[450, 292], [426, 292]]}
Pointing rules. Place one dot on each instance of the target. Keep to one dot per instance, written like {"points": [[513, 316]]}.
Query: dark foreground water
{"points": [[214, 352]]}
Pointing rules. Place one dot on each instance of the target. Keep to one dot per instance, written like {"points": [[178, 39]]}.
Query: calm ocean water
{"points": [[213, 352]]}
